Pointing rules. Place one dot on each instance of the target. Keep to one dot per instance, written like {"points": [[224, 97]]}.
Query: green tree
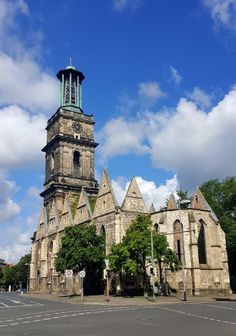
{"points": [[81, 249], [164, 255], [22, 270], [221, 196], [10, 277], [131, 254]]}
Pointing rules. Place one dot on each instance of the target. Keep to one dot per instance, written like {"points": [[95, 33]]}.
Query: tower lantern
{"points": [[70, 87]]}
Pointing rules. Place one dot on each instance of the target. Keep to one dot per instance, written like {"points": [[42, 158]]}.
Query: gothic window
{"points": [[52, 162], [102, 233], [76, 163], [67, 91], [50, 250], [201, 242], [156, 228], [178, 239], [74, 91]]}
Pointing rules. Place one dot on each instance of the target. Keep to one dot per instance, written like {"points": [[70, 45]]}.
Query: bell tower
{"points": [[69, 152]]}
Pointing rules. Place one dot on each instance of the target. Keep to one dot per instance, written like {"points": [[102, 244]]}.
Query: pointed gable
{"points": [[66, 215], [199, 202], [42, 228], [53, 222], [133, 199], [83, 211], [171, 203], [106, 201], [152, 209]]}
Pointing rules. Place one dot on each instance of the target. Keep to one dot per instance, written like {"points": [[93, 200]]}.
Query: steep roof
{"points": [[171, 203], [199, 202], [133, 200], [106, 201], [83, 211]]}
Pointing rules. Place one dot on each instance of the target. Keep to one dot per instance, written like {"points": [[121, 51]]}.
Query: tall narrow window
{"points": [[52, 163], [202, 244], [102, 233], [76, 163], [156, 228], [178, 239]]}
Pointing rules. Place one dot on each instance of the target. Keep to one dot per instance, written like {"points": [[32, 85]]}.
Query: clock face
{"points": [[76, 127]]}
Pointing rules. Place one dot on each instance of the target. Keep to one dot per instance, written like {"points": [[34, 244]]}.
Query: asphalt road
{"points": [[21, 315]]}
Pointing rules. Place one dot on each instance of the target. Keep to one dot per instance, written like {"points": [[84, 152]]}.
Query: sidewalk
{"points": [[137, 300]]}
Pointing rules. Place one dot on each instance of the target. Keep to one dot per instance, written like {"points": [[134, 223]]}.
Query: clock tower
{"points": [[70, 147]]}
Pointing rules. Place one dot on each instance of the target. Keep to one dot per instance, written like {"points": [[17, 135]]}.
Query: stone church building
{"points": [[72, 196]]}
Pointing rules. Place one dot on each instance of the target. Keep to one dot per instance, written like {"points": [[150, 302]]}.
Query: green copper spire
{"points": [[71, 87]]}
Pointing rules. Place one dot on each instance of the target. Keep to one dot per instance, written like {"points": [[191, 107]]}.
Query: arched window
{"points": [[178, 239], [156, 228], [201, 242], [102, 233], [50, 250], [76, 163], [52, 162]]}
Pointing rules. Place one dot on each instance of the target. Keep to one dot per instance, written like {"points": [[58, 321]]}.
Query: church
{"points": [[72, 196]]}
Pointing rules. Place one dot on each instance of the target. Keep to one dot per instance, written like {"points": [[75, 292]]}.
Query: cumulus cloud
{"points": [[194, 144], [223, 12], [22, 136], [200, 98], [174, 75], [122, 5], [124, 137], [8, 208], [150, 191], [148, 94], [15, 238], [23, 82]]}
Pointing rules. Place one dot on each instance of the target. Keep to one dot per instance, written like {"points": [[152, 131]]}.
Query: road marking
{"points": [[76, 313], [196, 316], [3, 305], [221, 307]]}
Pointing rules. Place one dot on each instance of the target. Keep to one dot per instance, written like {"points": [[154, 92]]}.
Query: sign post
{"points": [[69, 275], [107, 280], [82, 275]]}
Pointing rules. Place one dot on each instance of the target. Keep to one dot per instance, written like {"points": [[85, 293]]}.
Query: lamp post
{"points": [[184, 202], [27, 279], [152, 260]]}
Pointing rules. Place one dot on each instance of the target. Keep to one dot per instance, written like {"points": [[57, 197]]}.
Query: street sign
{"points": [[69, 273], [106, 263], [82, 274]]}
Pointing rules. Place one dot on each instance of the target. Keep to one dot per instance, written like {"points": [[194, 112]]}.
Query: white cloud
{"points": [[23, 82], [122, 5], [150, 191], [196, 145], [34, 192], [200, 98], [149, 92], [223, 12], [15, 238], [121, 137], [174, 75], [22, 136], [8, 208]]}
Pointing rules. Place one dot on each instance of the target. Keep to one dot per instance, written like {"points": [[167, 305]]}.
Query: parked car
{"points": [[21, 290]]}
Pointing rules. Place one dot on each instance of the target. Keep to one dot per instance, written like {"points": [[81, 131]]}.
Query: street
{"points": [[22, 315]]}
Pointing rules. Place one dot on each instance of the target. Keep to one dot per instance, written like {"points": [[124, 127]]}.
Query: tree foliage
{"points": [[131, 254], [16, 275], [81, 249], [221, 196]]}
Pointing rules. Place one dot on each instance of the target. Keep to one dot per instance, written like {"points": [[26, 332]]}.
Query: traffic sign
{"points": [[69, 273], [82, 274]]}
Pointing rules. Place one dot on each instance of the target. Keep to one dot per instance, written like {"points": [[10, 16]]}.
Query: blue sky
{"points": [[160, 81]]}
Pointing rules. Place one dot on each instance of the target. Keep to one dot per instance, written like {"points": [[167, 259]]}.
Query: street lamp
{"points": [[27, 279], [152, 260], [183, 202]]}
